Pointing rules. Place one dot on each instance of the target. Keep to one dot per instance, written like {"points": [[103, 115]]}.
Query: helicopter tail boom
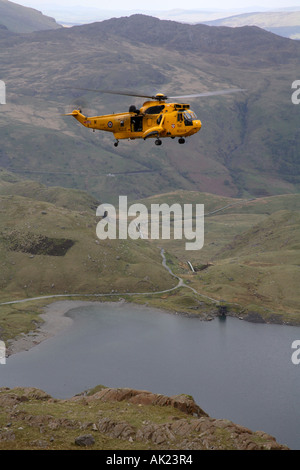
{"points": [[80, 117], [73, 113]]}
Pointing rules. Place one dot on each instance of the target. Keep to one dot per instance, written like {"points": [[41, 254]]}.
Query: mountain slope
{"points": [[250, 258], [20, 19], [249, 142], [72, 199], [48, 245], [279, 230], [196, 38]]}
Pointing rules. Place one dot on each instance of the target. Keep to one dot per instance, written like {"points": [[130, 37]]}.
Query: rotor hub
{"points": [[160, 97]]}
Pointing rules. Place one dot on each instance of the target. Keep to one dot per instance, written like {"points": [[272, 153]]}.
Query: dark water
{"points": [[233, 369]]}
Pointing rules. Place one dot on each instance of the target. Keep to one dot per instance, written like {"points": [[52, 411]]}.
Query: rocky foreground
{"points": [[117, 419]]}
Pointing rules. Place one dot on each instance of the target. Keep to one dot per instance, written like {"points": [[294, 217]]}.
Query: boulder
{"points": [[85, 440]]}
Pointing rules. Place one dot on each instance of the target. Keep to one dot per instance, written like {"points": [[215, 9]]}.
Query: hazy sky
{"points": [[162, 5]]}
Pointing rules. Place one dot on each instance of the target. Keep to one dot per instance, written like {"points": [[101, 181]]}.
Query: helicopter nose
{"points": [[197, 125]]}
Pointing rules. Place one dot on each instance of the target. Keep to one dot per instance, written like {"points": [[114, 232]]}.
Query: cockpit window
{"points": [[188, 118], [190, 115]]}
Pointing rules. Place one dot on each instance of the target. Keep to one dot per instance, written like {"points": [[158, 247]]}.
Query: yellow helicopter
{"points": [[155, 119]]}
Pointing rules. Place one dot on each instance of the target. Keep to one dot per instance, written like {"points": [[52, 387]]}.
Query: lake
{"points": [[234, 369]]}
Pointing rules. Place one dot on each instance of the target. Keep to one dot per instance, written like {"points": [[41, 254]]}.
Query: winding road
{"points": [[181, 283]]}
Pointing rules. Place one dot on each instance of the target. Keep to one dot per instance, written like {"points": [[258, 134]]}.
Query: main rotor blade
{"points": [[209, 93], [115, 92], [163, 97]]}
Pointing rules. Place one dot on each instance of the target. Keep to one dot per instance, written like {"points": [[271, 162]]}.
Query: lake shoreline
{"points": [[55, 320]]}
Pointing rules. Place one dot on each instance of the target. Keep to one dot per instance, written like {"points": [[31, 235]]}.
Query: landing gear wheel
{"points": [[158, 142], [116, 143], [181, 140]]}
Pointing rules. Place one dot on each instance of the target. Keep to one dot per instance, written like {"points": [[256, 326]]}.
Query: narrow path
{"points": [[181, 283], [230, 205]]}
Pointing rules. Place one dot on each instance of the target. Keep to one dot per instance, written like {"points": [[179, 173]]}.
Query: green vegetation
{"points": [[250, 255], [72, 419], [19, 319], [89, 266], [117, 419], [249, 262], [36, 260]]}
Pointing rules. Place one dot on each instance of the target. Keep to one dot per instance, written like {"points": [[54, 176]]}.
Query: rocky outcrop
{"points": [[198, 434], [184, 403], [108, 418], [36, 244]]}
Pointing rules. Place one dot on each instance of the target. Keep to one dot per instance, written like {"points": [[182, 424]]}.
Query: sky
{"points": [[138, 5]]}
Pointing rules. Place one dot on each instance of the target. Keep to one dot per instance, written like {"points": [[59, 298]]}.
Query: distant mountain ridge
{"points": [[20, 19], [284, 23], [198, 38]]}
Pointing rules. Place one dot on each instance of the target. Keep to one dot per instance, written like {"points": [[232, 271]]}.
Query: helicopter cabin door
{"points": [[137, 124]]}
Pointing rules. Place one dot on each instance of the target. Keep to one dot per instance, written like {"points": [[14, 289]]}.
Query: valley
{"points": [[249, 262]]}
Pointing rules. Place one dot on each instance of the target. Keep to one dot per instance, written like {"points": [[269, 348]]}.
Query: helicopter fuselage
{"points": [[155, 119]]}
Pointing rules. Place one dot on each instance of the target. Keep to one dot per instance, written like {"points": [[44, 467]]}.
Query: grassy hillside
{"points": [[49, 246], [13, 185], [20, 19], [248, 144], [119, 419], [49, 249], [250, 259]]}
